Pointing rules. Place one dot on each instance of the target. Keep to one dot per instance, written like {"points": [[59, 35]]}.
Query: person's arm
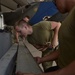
{"points": [[55, 26], [69, 70], [53, 56], [17, 37]]}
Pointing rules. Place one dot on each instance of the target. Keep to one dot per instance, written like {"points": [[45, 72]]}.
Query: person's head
{"points": [[23, 28], [26, 18], [65, 5]]}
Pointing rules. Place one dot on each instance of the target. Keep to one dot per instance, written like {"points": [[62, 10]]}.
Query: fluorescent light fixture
{"points": [[1, 22]]}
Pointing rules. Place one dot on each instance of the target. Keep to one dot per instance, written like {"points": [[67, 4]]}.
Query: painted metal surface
{"points": [[5, 42], [26, 62], [7, 62]]}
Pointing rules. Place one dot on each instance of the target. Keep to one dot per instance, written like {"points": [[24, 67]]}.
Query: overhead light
{"points": [[41, 0], [1, 22]]}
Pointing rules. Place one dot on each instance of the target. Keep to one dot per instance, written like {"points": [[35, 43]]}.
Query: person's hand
{"points": [[43, 48], [38, 59], [20, 73]]}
